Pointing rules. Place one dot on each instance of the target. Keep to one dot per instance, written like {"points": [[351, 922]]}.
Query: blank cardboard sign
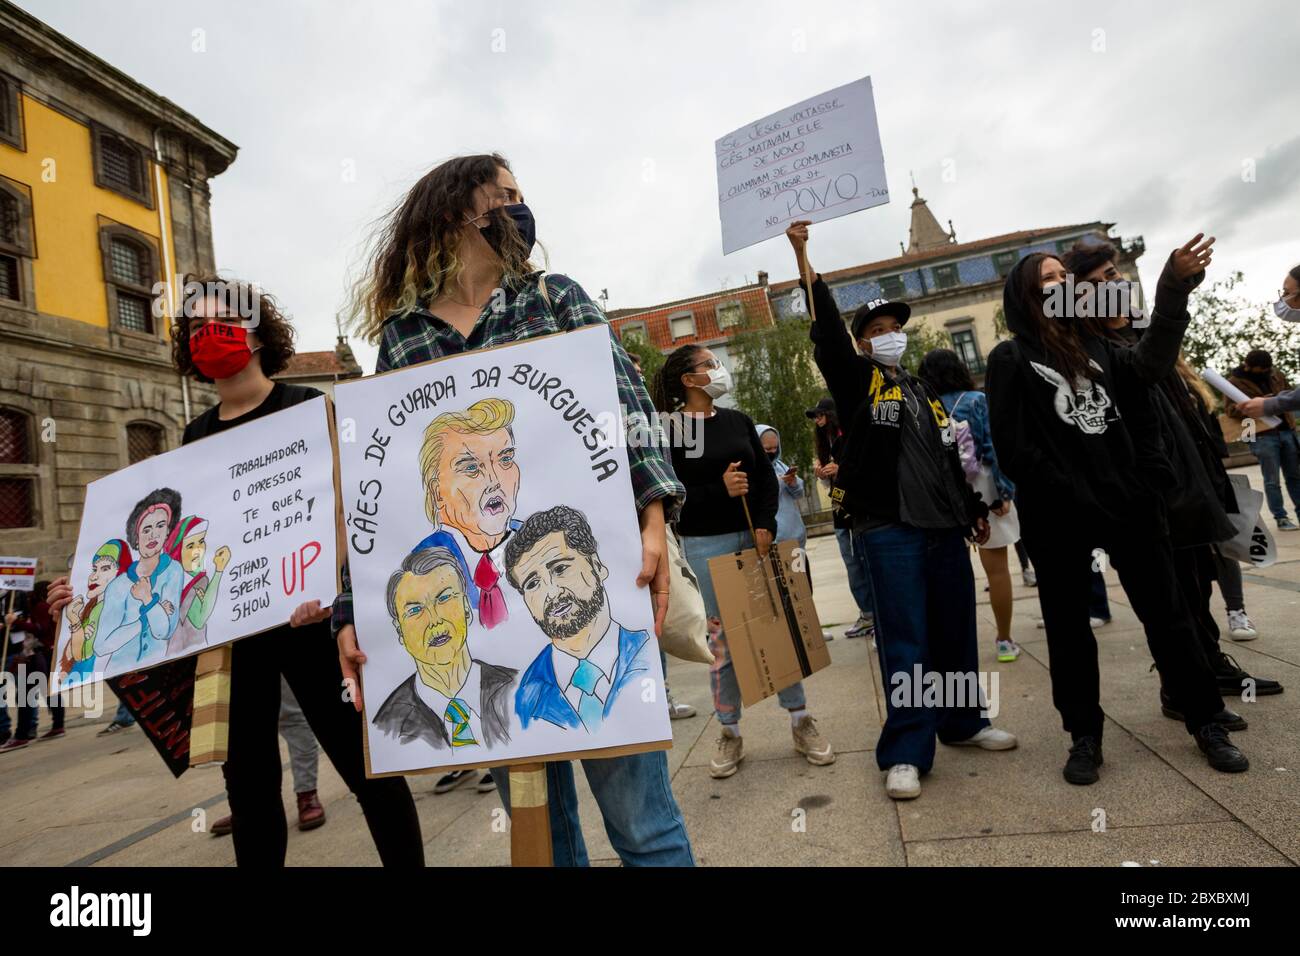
{"points": [[770, 621]]}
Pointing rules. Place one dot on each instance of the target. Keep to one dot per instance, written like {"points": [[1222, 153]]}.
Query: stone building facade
{"points": [[103, 195]]}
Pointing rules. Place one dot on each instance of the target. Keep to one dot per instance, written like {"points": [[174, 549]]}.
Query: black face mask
{"points": [[520, 215], [771, 456]]}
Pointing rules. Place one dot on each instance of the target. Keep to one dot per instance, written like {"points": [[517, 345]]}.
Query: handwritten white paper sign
{"points": [[815, 160]]}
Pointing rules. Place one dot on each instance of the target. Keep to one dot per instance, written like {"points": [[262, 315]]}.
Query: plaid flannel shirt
{"points": [[420, 336]]}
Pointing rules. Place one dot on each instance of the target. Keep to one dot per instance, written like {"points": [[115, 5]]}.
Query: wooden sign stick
{"points": [[530, 820]]}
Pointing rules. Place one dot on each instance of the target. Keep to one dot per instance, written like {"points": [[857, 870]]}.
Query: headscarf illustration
{"points": [[78, 662], [187, 546]]}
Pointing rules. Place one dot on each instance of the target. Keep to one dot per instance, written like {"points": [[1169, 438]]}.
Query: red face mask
{"points": [[219, 349]]}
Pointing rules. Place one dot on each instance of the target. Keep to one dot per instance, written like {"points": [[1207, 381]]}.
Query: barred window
{"points": [[10, 219], [143, 440], [11, 114], [126, 257], [130, 271], [133, 313], [120, 165], [892, 287], [17, 474], [10, 286]]}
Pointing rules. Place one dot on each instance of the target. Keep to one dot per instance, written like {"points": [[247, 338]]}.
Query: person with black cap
{"points": [[901, 480], [1199, 498], [1075, 428], [828, 445]]}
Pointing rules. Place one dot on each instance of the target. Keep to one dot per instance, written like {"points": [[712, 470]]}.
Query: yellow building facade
{"points": [[103, 197]]}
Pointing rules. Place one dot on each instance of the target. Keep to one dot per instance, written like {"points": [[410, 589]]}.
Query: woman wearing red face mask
{"points": [[213, 342]]}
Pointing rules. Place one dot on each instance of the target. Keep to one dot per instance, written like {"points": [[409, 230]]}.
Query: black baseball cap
{"points": [[899, 310], [824, 406]]}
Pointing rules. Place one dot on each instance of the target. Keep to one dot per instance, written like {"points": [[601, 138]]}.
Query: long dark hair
{"points": [[274, 329], [945, 372], [413, 254], [666, 388], [823, 435], [1059, 337]]}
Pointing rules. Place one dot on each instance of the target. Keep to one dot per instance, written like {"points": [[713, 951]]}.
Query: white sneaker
{"points": [[1040, 623], [678, 710], [990, 738], [1239, 626], [903, 782], [1097, 622]]}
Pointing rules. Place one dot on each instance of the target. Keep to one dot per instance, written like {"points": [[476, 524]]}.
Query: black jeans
{"points": [[308, 658], [1228, 573], [1146, 570]]}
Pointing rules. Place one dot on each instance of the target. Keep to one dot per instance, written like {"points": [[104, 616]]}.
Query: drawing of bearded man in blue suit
{"points": [[577, 680]]}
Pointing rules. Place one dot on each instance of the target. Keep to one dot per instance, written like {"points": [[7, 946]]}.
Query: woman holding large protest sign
{"points": [[1075, 429], [450, 272], [236, 336]]}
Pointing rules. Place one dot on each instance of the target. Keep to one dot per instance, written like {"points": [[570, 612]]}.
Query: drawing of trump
{"points": [[471, 482], [452, 699], [575, 681]]}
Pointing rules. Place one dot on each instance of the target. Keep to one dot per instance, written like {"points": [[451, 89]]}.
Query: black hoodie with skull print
{"points": [[1089, 453]]}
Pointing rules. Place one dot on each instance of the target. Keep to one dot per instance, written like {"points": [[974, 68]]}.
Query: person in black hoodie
{"points": [[900, 478], [1075, 428], [1199, 498]]}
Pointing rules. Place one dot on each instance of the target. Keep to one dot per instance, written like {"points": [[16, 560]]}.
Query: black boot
{"points": [[1229, 719], [1233, 680], [1218, 749], [1085, 758]]}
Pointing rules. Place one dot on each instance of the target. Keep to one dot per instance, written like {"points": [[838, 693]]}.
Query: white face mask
{"points": [[1285, 312], [719, 382], [889, 347]]}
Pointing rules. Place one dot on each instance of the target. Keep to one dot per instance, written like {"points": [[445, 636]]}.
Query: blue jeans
{"points": [[1278, 451], [123, 716], [636, 801], [925, 618], [722, 674], [859, 579]]}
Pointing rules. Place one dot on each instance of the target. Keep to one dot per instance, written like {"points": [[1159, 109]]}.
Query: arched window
{"points": [[143, 440], [17, 471], [130, 269]]}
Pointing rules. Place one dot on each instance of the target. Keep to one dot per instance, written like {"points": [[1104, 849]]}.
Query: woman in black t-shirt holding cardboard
{"points": [[717, 455]]}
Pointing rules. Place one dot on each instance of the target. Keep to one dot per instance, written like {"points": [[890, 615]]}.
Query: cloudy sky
{"points": [[1141, 114]]}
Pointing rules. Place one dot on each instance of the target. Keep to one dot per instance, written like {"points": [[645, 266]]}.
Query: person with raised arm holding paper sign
{"points": [[901, 480]]}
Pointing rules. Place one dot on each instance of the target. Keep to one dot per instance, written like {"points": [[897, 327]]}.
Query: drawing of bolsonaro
{"points": [[577, 679], [452, 699]]}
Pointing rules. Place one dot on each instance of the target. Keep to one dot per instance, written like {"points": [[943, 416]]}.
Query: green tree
{"points": [[651, 358], [776, 382], [921, 339], [1225, 326]]}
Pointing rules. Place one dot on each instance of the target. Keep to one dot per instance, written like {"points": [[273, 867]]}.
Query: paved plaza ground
{"points": [[86, 800]]}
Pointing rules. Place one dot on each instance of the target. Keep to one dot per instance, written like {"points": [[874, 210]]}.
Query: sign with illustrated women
{"points": [[188, 550], [493, 548]]}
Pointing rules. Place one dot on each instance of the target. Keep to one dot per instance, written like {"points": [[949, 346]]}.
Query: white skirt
{"points": [[1004, 530]]}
